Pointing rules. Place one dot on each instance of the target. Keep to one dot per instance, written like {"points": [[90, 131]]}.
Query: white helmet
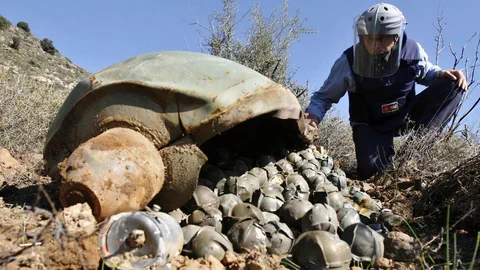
{"points": [[384, 19], [376, 57]]}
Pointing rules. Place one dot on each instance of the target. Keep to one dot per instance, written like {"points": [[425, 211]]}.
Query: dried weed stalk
{"points": [[27, 108]]}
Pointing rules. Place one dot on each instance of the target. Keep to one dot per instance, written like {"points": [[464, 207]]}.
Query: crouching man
{"points": [[379, 72]]}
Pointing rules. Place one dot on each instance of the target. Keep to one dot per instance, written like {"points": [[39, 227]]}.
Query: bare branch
{"points": [[427, 245], [467, 113], [471, 78], [439, 37], [457, 60], [301, 93], [472, 209], [475, 63]]}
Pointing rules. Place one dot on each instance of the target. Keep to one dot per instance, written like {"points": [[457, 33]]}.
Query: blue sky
{"points": [[97, 34]]}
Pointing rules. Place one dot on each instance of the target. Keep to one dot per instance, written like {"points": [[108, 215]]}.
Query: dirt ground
{"points": [[35, 233]]}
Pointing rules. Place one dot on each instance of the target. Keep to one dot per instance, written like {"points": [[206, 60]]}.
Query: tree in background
{"points": [[24, 26], [47, 46], [267, 43], [460, 58]]}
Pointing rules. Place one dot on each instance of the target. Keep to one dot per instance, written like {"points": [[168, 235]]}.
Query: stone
{"points": [[401, 247], [78, 219], [215, 264], [9, 166], [383, 263], [229, 258]]}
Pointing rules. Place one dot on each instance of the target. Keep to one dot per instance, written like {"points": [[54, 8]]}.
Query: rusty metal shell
{"points": [[202, 197], [189, 232], [285, 166], [299, 164], [321, 250], [307, 154], [274, 176], [243, 210], [321, 217], [248, 233], [294, 158], [204, 241], [182, 168], [292, 212], [340, 181], [297, 180], [260, 174], [280, 237], [206, 216], [328, 194], [315, 179], [346, 217], [243, 186], [269, 198], [296, 188], [118, 171], [269, 217], [178, 215], [165, 96], [325, 170], [319, 155], [227, 202], [365, 243], [308, 165]]}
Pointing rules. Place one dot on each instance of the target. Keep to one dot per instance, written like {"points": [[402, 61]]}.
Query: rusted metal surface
{"points": [[125, 106], [208, 94], [118, 171], [182, 167], [177, 101]]}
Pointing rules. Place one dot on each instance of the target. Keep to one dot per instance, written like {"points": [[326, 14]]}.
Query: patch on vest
{"points": [[390, 107]]}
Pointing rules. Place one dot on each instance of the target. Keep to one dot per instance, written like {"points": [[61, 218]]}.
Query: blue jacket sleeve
{"points": [[427, 71], [339, 81]]}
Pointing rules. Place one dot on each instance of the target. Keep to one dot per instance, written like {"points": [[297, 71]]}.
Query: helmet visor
{"points": [[375, 55]]}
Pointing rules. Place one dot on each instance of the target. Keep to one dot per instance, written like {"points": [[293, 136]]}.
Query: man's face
{"points": [[378, 44]]}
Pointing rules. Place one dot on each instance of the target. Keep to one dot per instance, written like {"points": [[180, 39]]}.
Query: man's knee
{"points": [[373, 150], [368, 167], [447, 88]]}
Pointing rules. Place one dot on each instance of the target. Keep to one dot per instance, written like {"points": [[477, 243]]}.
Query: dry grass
{"points": [[419, 153], [458, 187], [27, 108], [335, 134], [425, 153]]}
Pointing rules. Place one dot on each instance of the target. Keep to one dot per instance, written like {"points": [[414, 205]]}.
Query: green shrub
{"points": [[24, 26], [47, 46], [16, 43], [4, 23]]}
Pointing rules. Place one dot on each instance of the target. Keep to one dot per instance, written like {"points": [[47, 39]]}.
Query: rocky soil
{"points": [[36, 233], [30, 61]]}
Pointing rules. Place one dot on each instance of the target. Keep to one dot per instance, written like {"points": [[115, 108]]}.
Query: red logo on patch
{"points": [[390, 107]]}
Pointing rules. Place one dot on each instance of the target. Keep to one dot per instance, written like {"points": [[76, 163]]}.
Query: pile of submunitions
{"points": [[298, 206]]}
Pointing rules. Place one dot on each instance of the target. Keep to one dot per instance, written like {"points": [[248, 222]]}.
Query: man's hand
{"points": [[311, 133], [312, 120], [456, 75]]}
